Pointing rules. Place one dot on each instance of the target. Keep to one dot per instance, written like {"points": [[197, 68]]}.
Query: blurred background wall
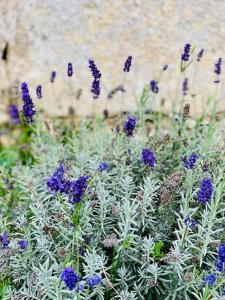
{"points": [[38, 36]]}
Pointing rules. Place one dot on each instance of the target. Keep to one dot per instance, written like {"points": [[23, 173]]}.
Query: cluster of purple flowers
{"points": [[186, 54], [28, 106], [206, 191], [70, 278], [218, 64], [189, 162], [96, 88], [77, 189], [14, 114], [39, 91], [185, 86], [217, 69], [210, 279], [4, 239], [70, 69], [191, 223], [154, 86], [95, 72], [22, 244], [57, 183], [200, 54], [103, 166], [74, 189], [127, 64], [53, 76], [221, 258], [129, 125], [96, 82], [148, 157], [95, 280]]}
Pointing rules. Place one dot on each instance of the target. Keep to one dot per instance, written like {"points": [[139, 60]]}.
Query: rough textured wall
{"points": [[43, 35]]}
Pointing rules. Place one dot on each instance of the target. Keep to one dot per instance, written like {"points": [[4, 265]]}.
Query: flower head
{"points": [[53, 76], [4, 239], [77, 189], [28, 106], [210, 279], [185, 86], [127, 64], [200, 54], [221, 258], [103, 166], [186, 54], [148, 157], [206, 191], [23, 244], [154, 86], [96, 82], [95, 72], [57, 183], [70, 69], [70, 278], [96, 88], [189, 162], [14, 114], [218, 64], [39, 91], [95, 280], [129, 125], [191, 223]]}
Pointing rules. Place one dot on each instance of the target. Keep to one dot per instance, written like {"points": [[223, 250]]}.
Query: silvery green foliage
{"points": [[131, 219]]}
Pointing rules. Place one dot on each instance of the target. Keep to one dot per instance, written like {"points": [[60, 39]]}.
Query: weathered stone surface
{"points": [[45, 35]]}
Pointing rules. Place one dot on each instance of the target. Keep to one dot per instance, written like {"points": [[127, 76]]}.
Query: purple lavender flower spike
{"points": [[129, 126], [70, 278], [154, 86], [53, 76], [70, 69], [103, 166], [148, 157], [210, 279], [96, 82], [206, 191], [4, 239], [221, 258], [77, 189], [14, 114], [189, 162], [23, 244], [39, 91], [185, 86], [217, 69], [186, 54], [200, 54], [28, 106], [95, 280], [96, 88], [127, 64]]}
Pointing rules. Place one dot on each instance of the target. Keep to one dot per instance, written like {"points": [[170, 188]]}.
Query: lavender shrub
{"points": [[150, 226]]}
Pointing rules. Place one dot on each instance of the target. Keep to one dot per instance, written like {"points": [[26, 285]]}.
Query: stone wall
{"points": [[44, 35]]}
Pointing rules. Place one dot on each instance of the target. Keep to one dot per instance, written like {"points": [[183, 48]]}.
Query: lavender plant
{"points": [[133, 218]]}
